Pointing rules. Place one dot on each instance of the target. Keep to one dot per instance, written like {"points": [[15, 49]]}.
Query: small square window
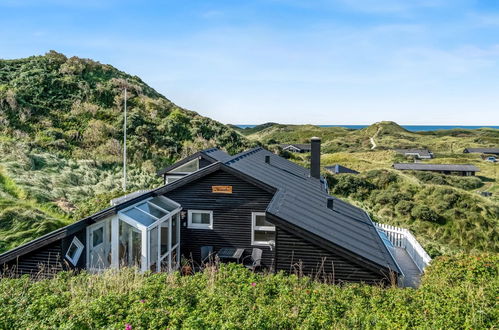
{"points": [[260, 221], [263, 236], [200, 219], [74, 251], [262, 231]]}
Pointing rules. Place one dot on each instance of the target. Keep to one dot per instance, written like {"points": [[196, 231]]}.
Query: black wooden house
{"points": [[254, 199]]}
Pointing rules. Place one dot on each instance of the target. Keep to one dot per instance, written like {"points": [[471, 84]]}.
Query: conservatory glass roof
{"points": [[149, 211]]}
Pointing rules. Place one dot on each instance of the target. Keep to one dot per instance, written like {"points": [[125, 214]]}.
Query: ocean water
{"points": [[412, 128]]}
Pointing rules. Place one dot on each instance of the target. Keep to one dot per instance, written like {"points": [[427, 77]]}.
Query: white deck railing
{"points": [[401, 237]]}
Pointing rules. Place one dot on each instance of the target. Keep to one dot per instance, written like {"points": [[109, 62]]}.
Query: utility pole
{"points": [[124, 148]]}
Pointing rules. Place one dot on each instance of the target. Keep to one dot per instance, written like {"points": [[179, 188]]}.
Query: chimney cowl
{"points": [[267, 159], [315, 157]]}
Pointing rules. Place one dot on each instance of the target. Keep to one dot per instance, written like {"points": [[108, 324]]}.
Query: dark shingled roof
{"points": [[217, 154], [483, 150], [302, 201], [436, 167], [339, 169]]}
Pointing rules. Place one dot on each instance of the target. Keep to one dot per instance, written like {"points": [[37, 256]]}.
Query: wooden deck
{"points": [[412, 273]]}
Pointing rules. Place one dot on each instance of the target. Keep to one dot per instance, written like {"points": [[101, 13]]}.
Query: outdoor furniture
{"points": [[206, 254], [255, 258], [230, 253]]}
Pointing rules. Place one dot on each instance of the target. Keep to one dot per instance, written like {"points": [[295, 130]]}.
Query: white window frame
{"points": [[259, 228], [107, 245], [199, 225], [177, 170], [173, 176], [79, 246]]}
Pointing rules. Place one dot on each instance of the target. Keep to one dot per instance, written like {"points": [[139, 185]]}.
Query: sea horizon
{"points": [[412, 128]]}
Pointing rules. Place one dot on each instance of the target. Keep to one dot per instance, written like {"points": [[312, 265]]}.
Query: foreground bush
{"points": [[457, 292]]}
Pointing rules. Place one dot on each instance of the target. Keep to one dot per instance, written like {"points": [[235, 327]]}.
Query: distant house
{"points": [[301, 148], [456, 169], [338, 169], [254, 207], [417, 153], [488, 151]]}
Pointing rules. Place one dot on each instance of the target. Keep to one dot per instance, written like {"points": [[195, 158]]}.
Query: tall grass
{"points": [[444, 217], [41, 191], [458, 292]]}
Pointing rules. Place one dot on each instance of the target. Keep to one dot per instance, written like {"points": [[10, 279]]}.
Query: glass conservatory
{"points": [[145, 235]]}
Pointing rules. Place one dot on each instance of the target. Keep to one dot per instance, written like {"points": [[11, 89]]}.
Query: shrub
{"points": [[381, 178], [404, 207], [467, 183], [349, 184], [449, 219], [423, 212], [457, 292]]}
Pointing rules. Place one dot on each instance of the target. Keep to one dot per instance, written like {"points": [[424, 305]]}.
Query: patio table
{"points": [[230, 253]]}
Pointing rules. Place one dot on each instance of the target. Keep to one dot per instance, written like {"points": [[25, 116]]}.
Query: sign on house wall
{"points": [[221, 189]]}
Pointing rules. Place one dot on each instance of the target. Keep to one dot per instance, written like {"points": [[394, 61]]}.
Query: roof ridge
{"points": [[460, 164], [210, 149], [243, 154]]}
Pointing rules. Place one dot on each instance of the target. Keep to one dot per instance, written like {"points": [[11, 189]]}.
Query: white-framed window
{"points": [[200, 219], [74, 251], [262, 231], [172, 178], [189, 167]]}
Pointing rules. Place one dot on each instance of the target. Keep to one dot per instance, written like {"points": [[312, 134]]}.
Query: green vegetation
{"points": [[60, 160], [387, 135], [74, 107], [444, 215], [61, 128], [457, 292], [60, 147]]}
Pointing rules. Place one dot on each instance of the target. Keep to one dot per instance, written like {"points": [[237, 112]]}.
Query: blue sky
{"points": [[289, 61]]}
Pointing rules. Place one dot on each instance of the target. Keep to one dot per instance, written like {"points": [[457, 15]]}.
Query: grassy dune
{"points": [[61, 127], [446, 213], [388, 135]]}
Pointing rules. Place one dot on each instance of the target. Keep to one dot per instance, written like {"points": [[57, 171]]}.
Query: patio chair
{"points": [[206, 254], [255, 259]]}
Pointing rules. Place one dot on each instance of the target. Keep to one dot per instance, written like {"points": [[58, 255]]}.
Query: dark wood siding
{"points": [[231, 214], [299, 256], [204, 162], [82, 261], [46, 261], [43, 262]]}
